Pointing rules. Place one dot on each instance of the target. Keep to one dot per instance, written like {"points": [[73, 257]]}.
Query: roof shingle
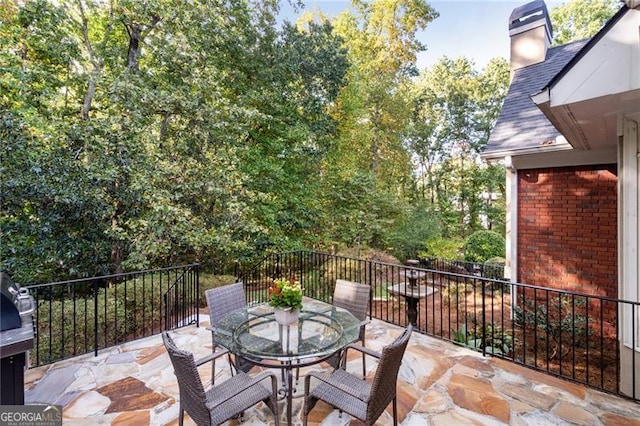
{"points": [[521, 125]]}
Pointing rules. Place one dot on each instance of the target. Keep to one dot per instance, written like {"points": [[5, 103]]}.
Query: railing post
{"points": [[278, 268], [371, 289], [95, 317], [484, 318], [165, 303], [300, 263], [197, 272]]}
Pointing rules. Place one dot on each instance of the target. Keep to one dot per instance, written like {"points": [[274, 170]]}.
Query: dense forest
{"points": [[140, 134]]}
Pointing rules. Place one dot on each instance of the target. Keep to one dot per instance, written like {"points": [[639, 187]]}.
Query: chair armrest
{"points": [[211, 357], [363, 349], [267, 375]]}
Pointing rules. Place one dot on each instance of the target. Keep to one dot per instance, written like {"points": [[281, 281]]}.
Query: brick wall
{"points": [[567, 229]]}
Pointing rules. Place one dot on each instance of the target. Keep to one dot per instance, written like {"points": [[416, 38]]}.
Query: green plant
{"points": [[208, 281], [483, 245], [66, 327], [494, 268], [285, 294], [442, 248], [380, 292], [493, 340], [407, 234], [559, 317], [460, 335]]}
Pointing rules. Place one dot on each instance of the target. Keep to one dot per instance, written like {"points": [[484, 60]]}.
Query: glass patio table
{"points": [[321, 331]]}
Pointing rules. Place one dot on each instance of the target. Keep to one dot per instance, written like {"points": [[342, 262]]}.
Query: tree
{"points": [[484, 245], [380, 38], [145, 134], [455, 107], [580, 19]]}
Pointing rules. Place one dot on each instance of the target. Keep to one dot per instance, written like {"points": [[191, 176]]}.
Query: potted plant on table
{"points": [[285, 295]]}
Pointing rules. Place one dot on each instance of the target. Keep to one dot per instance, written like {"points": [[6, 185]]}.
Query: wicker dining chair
{"points": [[221, 301], [355, 298], [224, 401], [361, 399]]}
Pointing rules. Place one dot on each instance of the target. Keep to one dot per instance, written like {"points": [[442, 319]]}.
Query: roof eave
{"points": [[499, 155], [561, 118]]}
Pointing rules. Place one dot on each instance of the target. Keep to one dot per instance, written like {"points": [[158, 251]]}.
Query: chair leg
{"points": [[213, 372], [181, 417], [364, 357], [395, 411], [232, 364], [213, 363]]}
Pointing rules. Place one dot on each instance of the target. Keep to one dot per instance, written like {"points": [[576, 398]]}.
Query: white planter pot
{"points": [[286, 316]]}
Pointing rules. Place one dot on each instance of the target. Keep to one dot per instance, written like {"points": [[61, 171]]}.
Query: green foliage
{"points": [[494, 340], [460, 335], [285, 294], [409, 232], [208, 281], [561, 318], [68, 325], [164, 132], [494, 268], [443, 248], [454, 109], [579, 19], [483, 245]]}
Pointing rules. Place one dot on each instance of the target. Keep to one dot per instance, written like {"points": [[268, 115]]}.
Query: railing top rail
{"points": [[124, 274], [460, 275], [573, 293]]}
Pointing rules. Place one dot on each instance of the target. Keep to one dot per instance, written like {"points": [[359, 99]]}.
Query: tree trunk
{"points": [[164, 125], [91, 90], [375, 149], [117, 252], [133, 53]]}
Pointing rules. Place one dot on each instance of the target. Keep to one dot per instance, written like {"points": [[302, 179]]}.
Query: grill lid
{"points": [[10, 293]]}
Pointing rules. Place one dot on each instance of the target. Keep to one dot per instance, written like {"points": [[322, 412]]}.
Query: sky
{"points": [[476, 29]]}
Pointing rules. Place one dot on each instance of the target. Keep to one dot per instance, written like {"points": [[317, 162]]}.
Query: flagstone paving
{"points": [[439, 384]]}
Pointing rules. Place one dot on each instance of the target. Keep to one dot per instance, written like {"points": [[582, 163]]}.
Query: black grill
{"points": [[16, 338]]}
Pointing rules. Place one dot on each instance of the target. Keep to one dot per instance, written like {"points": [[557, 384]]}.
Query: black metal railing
{"points": [[570, 335], [84, 315], [485, 270]]}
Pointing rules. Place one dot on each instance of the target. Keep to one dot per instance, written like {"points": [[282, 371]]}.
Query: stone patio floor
{"points": [[439, 384]]}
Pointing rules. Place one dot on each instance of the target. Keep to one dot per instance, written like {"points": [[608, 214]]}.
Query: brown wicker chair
{"points": [[355, 298], [221, 301], [362, 399], [224, 401]]}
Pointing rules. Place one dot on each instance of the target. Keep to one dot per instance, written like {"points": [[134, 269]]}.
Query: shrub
{"points": [[67, 326], [408, 233], [483, 245], [494, 268], [494, 341], [560, 318], [442, 248]]}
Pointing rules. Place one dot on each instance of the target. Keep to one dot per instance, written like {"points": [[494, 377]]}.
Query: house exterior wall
{"points": [[567, 229]]}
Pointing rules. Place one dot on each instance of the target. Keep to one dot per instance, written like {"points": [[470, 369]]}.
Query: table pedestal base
{"points": [[412, 310]]}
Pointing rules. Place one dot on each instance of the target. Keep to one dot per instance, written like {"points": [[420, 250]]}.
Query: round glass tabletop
{"points": [[320, 331]]}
